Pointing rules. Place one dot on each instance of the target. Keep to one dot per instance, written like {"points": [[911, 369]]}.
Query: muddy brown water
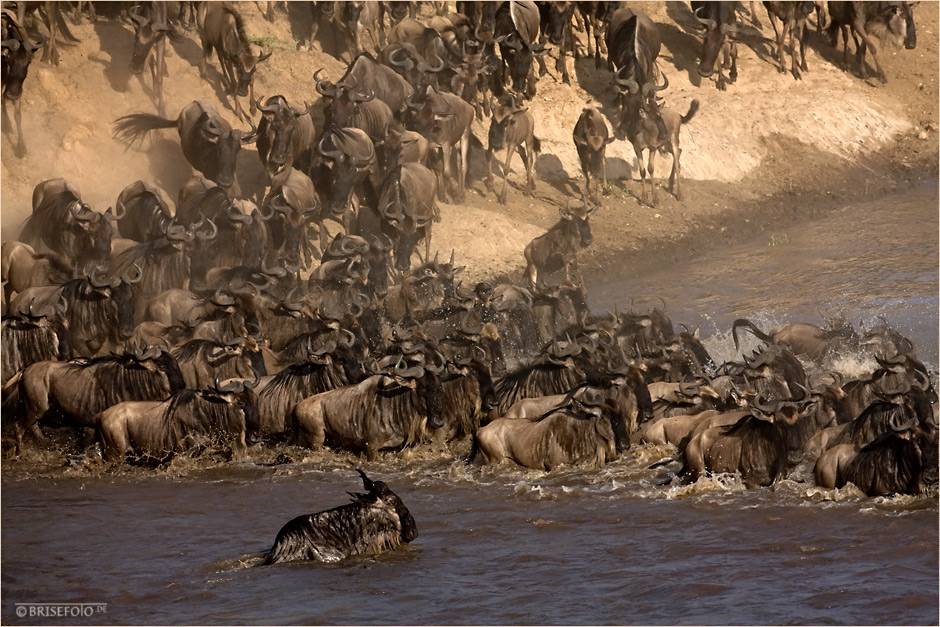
{"points": [[619, 545]]}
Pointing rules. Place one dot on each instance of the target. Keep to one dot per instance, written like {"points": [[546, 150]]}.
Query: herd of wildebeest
{"points": [[222, 323]]}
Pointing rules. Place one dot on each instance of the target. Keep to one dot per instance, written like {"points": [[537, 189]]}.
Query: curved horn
{"points": [[134, 278], [320, 85], [115, 215], [709, 23], [210, 234], [332, 155], [368, 96]]}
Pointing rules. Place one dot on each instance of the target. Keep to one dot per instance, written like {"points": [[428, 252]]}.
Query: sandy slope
{"points": [[767, 144]]}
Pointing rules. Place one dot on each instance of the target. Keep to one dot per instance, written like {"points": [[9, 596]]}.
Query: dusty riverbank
{"points": [[766, 154]]}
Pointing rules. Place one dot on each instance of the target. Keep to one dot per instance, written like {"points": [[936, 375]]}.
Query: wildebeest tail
{"points": [[536, 145], [474, 449], [750, 326], [132, 128], [692, 109], [12, 407]]}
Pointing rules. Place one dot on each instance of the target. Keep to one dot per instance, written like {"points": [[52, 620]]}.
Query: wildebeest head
{"points": [[350, 155], [559, 15], [147, 32], [277, 126], [241, 395], [120, 290], [17, 54], [292, 204], [246, 66], [211, 145], [894, 23], [378, 490], [343, 99], [719, 21], [517, 26], [95, 231], [579, 220]]}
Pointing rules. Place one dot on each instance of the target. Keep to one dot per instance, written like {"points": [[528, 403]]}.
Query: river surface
{"points": [[503, 545]]}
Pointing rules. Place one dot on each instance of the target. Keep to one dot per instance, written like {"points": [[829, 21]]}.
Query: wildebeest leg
{"points": [[462, 166], [157, 69], [506, 165], [781, 38], [653, 152], [20, 150], [796, 43], [674, 175], [489, 169], [528, 157], [734, 61], [639, 161], [866, 43], [543, 70], [206, 55], [803, 65]]}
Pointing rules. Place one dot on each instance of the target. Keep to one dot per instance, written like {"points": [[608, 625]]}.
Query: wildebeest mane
{"points": [[538, 379], [26, 342], [122, 378], [397, 405], [89, 310], [295, 383], [193, 349], [195, 412], [888, 461], [873, 422]]}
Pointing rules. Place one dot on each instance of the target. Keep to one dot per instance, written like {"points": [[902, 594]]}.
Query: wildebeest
{"points": [[21, 268], [82, 388], [511, 126], [202, 361], [147, 214], [586, 430], [222, 28], [158, 427], [898, 456], [99, 308], [17, 54], [889, 21], [793, 17], [292, 202], [383, 411], [719, 20], [804, 339], [277, 399], [755, 446], [209, 143], [374, 522], [633, 45], [445, 120], [408, 206], [591, 138], [517, 31], [28, 339], [285, 136], [365, 74], [655, 128], [347, 158], [555, 26], [67, 226], [558, 248], [151, 25]]}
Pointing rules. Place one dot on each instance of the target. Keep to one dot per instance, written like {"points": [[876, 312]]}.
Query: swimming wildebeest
{"points": [[372, 523]]}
